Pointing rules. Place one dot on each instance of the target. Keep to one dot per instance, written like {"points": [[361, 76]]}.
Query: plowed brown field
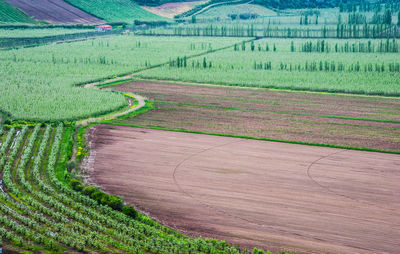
{"points": [[54, 11], [274, 114], [255, 193]]}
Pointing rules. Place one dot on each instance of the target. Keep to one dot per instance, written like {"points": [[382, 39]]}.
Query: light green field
{"points": [[117, 10], [238, 68], [38, 83], [223, 11], [28, 33], [10, 14]]}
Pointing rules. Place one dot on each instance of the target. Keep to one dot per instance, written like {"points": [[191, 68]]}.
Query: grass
{"points": [[114, 11], [34, 33], [40, 83], [10, 14], [222, 12], [236, 68]]}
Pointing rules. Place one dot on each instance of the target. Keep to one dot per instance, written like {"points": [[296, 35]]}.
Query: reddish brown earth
{"points": [[254, 193], [172, 9], [54, 11], [294, 116]]}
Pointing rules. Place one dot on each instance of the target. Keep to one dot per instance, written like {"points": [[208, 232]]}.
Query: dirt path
{"points": [[270, 195], [141, 102]]}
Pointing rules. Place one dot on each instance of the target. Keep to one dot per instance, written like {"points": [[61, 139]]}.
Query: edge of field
{"points": [[150, 106]]}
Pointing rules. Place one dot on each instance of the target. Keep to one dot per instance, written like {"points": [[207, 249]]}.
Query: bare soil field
{"points": [[271, 195], [294, 116], [172, 9], [54, 11]]}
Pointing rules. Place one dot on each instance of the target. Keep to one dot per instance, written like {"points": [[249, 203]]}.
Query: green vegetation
{"points": [[236, 12], [119, 10], [273, 63], [39, 212], [36, 32], [39, 83], [10, 14]]}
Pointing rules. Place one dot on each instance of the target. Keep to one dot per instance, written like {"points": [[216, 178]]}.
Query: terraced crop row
{"points": [[40, 212]]}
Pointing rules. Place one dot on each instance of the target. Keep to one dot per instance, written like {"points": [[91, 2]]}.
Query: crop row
{"points": [[38, 210]]}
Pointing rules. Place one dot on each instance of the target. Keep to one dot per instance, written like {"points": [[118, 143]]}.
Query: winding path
{"points": [[141, 102]]}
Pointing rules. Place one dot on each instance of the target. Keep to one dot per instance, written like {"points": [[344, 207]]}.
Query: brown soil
{"points": [[54, 11], [271, 195], [271, 114], [170, 10]]}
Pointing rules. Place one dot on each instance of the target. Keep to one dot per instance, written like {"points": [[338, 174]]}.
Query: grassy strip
{"points": [[254, 138], [115, 82], [149, 106], [287, 88], [278, 112], [66, 149]]}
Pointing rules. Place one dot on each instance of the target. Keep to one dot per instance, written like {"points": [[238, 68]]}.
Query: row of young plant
{"points": [[52, 203], [182, 62], [338, 31], [368, 6], [329, 66], [384, 46], [55, 217]]}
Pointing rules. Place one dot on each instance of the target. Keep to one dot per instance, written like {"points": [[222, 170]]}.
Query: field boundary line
{"points": [[133, 77], [274, 88], [365, 149], [277, 112]]}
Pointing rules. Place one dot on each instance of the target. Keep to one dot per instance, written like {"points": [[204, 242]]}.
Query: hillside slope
{"points": [[116, 10], [10, 14], [172, 9], [54, 11], [224, 11]]}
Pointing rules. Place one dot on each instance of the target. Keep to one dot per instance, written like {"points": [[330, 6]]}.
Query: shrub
{"points": [[88, 190], [75, 184], [130, 211], [114, 202]]}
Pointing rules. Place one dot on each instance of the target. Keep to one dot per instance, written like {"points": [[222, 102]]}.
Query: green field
{"points": [[39, 32], [314, 71], [119, 10], [10, 14], [225, 10], [38, 83]]}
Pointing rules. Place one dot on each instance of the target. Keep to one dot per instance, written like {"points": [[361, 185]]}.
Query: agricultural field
{"points": [[119, 10], [298, 64], [169, 10], [10, 14], [255, 193], [227, 11], [215, 126], [40, 83], [315, 118], [38, 32], [38, 212], [54, 12]]}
